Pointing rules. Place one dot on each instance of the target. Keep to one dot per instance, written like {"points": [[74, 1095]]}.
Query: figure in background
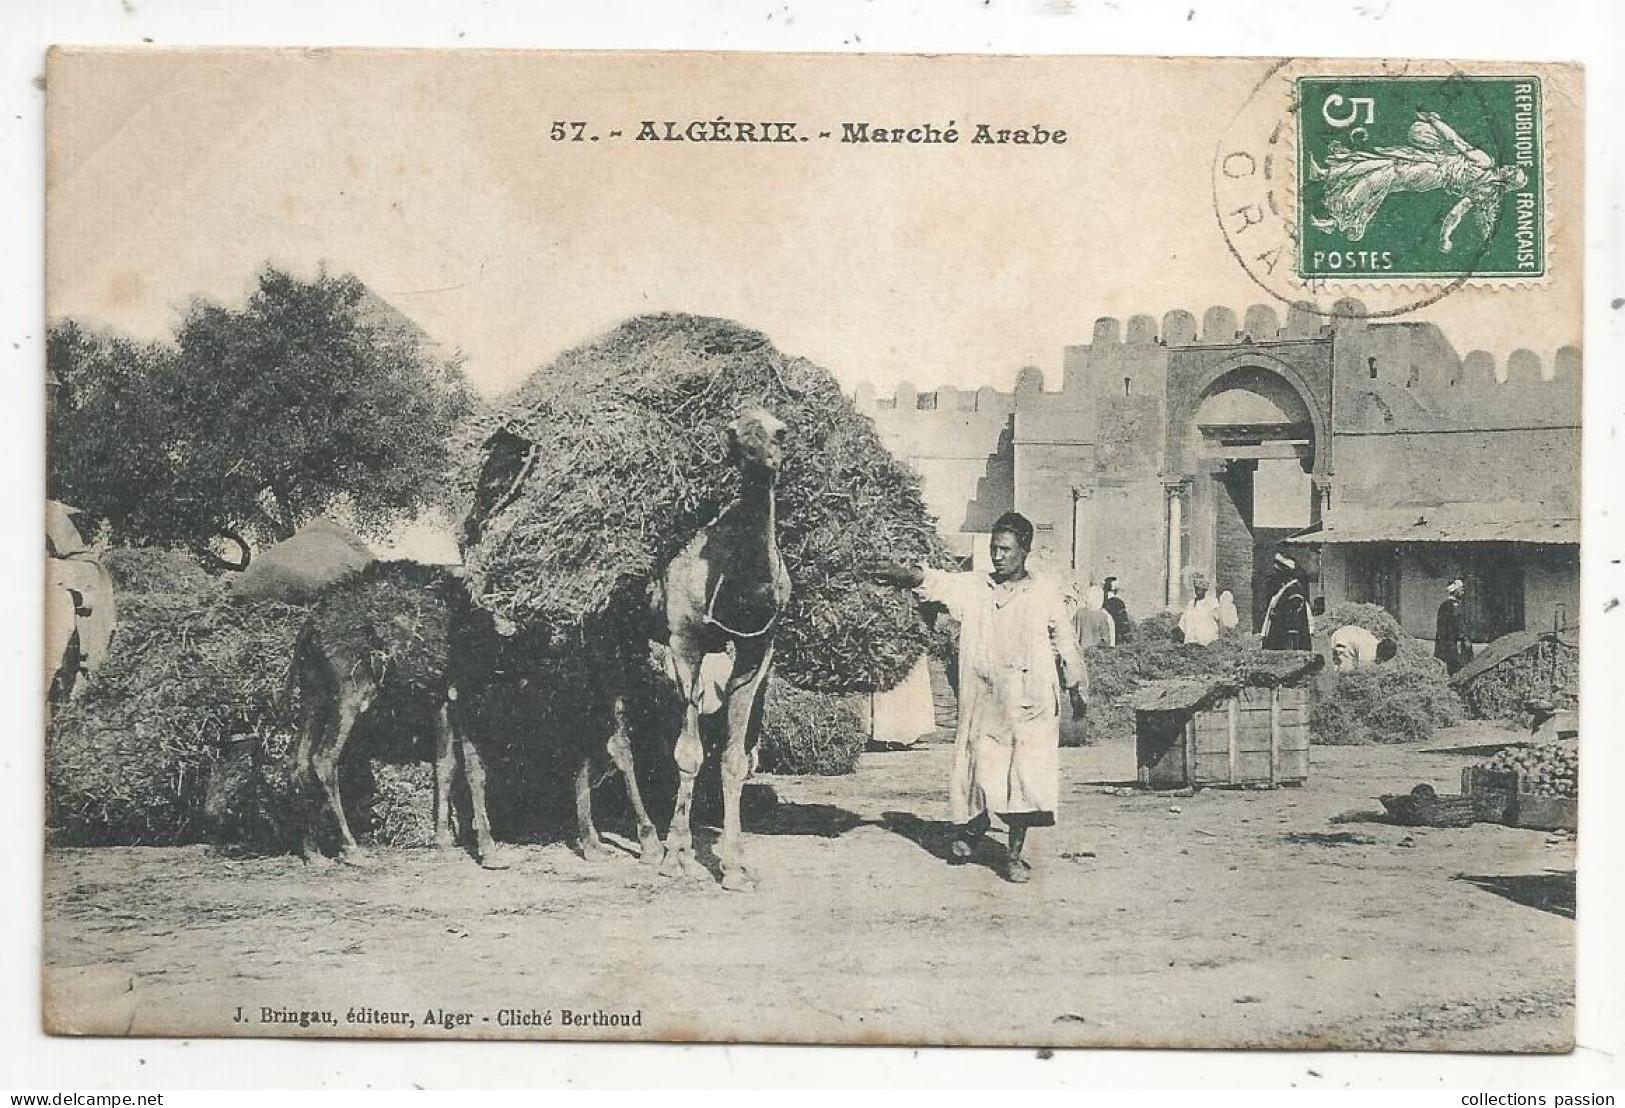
{"points": [[1114, 607], [1199, 624], [1287, 621], [1017, 652], [1354, 647], [1090, 621], [1452, 642], [1228, 620]]}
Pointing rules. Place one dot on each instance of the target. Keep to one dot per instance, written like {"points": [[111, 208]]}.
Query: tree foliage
{"points": [[254, 420]]}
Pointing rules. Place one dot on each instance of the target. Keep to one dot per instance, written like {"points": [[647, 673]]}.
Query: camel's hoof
{"points": [[315, 858], [651, 851], [596, 850], [494, 857], [738, 879], [682, 863], [356, 858], [445, 840]]}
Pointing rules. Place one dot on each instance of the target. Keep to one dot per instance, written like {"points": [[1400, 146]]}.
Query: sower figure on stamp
{"points": [[1017, 652]]}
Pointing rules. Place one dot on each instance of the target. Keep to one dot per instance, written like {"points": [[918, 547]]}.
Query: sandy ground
{"points": [[1288, 918]]}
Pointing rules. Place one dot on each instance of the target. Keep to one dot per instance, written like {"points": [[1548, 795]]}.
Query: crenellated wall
{"points": [[1398, 416]]}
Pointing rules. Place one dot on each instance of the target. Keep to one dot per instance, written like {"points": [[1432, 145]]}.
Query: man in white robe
{"points": [[1017, 652], [1200, 623]]}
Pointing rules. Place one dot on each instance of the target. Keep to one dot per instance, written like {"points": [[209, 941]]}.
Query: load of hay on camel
{"points": [[610, 460]]}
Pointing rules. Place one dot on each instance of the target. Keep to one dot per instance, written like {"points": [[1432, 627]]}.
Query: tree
{"points": [[314, 394]]}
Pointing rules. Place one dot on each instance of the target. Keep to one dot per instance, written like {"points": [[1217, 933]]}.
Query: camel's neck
{"points": [[757, 521]]}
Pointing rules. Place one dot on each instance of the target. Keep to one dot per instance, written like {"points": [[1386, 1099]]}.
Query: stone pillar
{"points": [[1320, 502], [1082, 534], [1174, 492]]}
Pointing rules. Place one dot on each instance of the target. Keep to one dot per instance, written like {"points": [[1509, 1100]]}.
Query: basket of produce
{"points": [[1423, 807], [1528, 785]]}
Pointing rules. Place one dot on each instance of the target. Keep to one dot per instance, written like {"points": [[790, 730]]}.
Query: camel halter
{"points": [[711, 615]]}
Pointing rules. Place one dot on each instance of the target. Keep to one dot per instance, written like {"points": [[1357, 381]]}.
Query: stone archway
{"points": [[1250, 443]]}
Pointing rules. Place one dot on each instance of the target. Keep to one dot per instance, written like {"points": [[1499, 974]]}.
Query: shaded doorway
{"points": [[1255, 442]]}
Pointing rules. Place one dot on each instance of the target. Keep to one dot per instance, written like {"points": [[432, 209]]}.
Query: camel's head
{"points": [[756, 440]]}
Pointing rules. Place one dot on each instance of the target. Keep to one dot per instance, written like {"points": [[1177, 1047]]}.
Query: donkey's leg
{"points": [[445, 773], [490, 855], [592, 847], [307, 804], [353, 702], [650, 851]]}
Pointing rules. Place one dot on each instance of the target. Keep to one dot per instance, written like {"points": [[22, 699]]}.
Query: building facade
{"points": [[1385, 459]]}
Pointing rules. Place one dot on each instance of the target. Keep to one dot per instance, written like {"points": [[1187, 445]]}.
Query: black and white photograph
{"points": [[834, 549]]}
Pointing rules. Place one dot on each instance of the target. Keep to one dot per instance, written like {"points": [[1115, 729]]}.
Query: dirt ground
{"points": [[1287, 918]]}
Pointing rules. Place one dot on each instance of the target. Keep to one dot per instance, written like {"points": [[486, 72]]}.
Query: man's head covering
{"points": [[1094, 596], [1455, 588], [1283, 562], [1110, 586]]}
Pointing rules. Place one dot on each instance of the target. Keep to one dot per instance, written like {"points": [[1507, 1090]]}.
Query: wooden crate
{"points": [[1257, 736], [1499, 797]]}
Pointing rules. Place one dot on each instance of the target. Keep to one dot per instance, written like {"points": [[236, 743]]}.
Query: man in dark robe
{"points": [[1452, 644], [1287, 622], [1114, 607]]}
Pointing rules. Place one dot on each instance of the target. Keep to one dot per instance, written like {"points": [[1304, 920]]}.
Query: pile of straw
{"points": [[187, 678], [614, 456], [811, 733], [1403, 700]]}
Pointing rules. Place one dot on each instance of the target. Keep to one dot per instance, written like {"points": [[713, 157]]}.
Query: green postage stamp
{"points": [[1432, 177]]}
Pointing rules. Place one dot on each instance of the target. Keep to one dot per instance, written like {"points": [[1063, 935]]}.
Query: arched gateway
{"points": [[1247, 464]]}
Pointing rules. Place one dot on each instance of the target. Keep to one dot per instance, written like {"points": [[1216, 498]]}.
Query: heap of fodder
{"points": [[1117, 673], [1520, 672], [189, 677], [811, 733], [1373, 617], [613, 457], [1402, 700], [150, 569]]}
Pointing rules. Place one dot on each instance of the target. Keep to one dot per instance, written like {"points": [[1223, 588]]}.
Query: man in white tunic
{"points": [[1017, 652]]}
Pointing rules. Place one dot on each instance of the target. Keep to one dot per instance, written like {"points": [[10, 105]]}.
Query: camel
{"points": [[718, 603], [384, 633]]}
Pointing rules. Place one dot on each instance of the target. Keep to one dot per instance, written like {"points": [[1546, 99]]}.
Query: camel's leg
{"points": [[735, 768], [486, 850], [689, 753], [352, 703], [620, 752], [592, 847], [445, 772]]}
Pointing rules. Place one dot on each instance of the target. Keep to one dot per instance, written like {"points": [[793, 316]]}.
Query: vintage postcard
{"points": [[784, 548]]}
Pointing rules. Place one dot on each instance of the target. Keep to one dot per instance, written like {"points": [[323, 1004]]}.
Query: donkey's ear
{"points": [[733, 441]]}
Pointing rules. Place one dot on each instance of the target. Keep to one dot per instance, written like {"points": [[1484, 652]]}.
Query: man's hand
{"points": [[1080, 703], [891, 573]]}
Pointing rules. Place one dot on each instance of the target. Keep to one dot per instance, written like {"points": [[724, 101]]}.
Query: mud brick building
{"points": [[1387, 460]]}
